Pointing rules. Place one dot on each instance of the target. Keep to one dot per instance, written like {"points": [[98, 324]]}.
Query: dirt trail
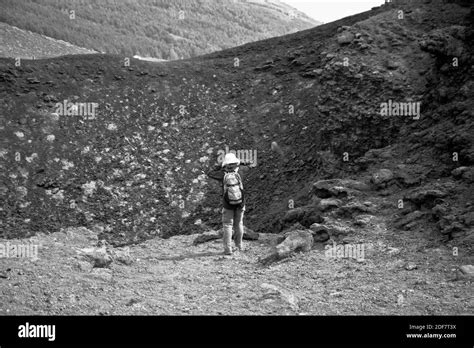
{"points": [[174, 277]]}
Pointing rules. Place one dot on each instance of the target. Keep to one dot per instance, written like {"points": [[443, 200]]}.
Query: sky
{"points": [[330, 10]]}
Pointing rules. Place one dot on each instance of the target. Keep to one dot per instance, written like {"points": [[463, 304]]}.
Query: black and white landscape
{"points": [[359, 134]]}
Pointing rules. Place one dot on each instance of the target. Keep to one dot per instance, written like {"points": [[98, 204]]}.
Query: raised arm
{"points": [[216, 173]]}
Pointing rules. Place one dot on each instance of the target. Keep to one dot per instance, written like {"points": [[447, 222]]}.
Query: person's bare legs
{"points": [[239, 227], [227, 223]]}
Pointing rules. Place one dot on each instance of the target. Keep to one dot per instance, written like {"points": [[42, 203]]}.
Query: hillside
{"points": [[134, 171], [18, 43], [161, 29]]}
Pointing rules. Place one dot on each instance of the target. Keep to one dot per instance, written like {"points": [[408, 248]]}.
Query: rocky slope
{"points": [[137, 166], [19, 43]]}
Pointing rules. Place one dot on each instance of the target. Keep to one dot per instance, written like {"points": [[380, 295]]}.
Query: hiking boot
{"points": [[227, 252], [240, 248]]}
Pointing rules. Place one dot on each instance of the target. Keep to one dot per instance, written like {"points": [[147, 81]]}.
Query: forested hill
{"points": [[166, 29]]}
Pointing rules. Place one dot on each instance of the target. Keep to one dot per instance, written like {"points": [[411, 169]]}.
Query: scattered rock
{"points": [[84, 266], [468, 218], [352, 208], [132, 301], [440, 210], [296, 226], [287, 296], [449, 225], [338, 188], [393, 251], [295, 241], [409, 218], [410, 266], [362, 220], [80, 236], [426, 197], [467, 271], [213, 235], [400, 300], [102, 274]]}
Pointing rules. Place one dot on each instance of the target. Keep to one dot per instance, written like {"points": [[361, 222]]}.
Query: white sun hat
{"points": [[230, 158]]}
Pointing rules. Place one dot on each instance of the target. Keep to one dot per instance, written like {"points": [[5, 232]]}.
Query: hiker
{"points": [[231, 174]]}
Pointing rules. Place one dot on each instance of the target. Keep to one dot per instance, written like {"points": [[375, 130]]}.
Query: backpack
{"points": [[233, 188]]}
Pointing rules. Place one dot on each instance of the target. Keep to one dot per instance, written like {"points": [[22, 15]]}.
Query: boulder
{"points": [[329, 203], [282, 236], [121, 255], [343, 28], [362, 220], [449, 225], [408, 176], [320, 233], [97, 256], [425, 196], [300, 240], [295, 214], [440, 210], [468, 218], [306, 216], [408, 219], [331, 230], [382, 178], [392, 64], [458, 172], [349, 209], [206, 237], [345, 38], [464, 173], [250, 235]]}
